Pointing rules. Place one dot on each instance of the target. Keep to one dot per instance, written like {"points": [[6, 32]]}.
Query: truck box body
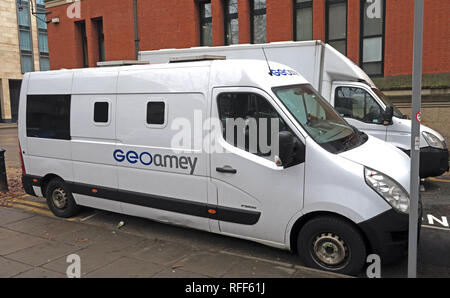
{"points": [[344, 84]]}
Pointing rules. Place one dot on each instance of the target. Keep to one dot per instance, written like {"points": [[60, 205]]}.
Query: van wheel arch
{"points": [[47, 178], [298, 225]]}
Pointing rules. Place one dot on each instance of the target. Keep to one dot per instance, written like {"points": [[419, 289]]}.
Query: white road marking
{"points": [[436, 228], [90, 216]]}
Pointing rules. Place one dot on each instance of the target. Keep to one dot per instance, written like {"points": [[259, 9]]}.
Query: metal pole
{"points": [[136, 29], [3, 178], [415, 138]]}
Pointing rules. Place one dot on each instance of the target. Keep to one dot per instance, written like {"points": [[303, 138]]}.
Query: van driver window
{"points": [[358, 104], [156, 112], [251, 117], [101, 112], [48, 116]]}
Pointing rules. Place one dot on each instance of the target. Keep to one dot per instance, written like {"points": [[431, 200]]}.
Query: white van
{"points": [[108, 138], [344, 84]]}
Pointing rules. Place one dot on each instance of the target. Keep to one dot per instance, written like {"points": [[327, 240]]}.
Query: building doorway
{"points": [[14, 94]]}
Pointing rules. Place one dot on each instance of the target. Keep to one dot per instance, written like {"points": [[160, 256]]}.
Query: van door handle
{"points": [[227, 170]]}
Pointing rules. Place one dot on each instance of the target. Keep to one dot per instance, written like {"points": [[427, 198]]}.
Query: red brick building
{"points": [[178, 23]]}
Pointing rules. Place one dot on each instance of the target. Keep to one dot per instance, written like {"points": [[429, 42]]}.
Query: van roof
{"points": [[177, 77]]}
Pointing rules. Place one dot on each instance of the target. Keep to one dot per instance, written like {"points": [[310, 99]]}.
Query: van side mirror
{"points": [[292, 151], [387, 115]]}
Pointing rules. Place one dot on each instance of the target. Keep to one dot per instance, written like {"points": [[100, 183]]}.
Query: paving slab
{"points": [[209, 263], [9, 268], [258, 269], [9, 216], [178, 273], [90, 235], [7, 234], [127, 268], [44, 226], [92, 258], [39, 272], [304, 272], [17, 243], [160, 251], [43, 253]]}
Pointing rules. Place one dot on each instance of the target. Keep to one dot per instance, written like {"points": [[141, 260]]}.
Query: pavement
{"points": [[35, 245]]}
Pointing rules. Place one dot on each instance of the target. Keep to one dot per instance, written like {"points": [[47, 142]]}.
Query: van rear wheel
{"points": [[333, 244], [60, 199]]}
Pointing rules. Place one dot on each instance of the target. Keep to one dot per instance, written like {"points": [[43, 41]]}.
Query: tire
{"points": [[333, 244], [60, 199]]}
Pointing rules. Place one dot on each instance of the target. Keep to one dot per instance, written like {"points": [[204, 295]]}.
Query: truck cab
{"points": [[367, 108]]}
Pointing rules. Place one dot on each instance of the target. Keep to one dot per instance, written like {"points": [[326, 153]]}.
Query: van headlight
{"points": [[433, 140], [388, 189]]}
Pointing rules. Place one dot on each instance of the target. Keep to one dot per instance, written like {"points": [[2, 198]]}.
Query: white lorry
{"points": [[154, 141], [343, 84]]}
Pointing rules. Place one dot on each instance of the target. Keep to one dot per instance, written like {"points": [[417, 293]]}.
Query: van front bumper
{"points": [[433, 161], [387, 234]]}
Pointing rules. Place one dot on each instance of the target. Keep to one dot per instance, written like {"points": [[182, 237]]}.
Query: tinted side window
{"points": [[48, 116], [101, 112], [357, 103], [156, 112], [253, 112]]}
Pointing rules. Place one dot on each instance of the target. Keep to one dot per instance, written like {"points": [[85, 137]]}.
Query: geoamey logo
{"points": [[157, 160]]}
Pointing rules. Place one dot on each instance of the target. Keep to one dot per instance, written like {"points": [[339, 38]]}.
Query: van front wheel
{"points": [[60, 199], [333, 244]]}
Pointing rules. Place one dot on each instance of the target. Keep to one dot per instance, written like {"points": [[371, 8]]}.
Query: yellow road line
{"points": [[31, 203], [37, 207], [439, 180], [19, 197], [33, 209]]}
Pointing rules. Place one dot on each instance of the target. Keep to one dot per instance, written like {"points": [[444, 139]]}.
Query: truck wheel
{"points": [[60, 199], [333, 244]]}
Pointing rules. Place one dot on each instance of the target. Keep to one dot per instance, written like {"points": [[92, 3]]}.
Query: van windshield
{"points": [[319, 119]]}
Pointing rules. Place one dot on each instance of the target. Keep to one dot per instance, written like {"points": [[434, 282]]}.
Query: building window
{"points": [[303, 20], [81, 26], [44, 61], [48, 116], [205, 23], [372, 37], [336, 24], [25, 41], [258, 21], [231, 22], [100, 39]]}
